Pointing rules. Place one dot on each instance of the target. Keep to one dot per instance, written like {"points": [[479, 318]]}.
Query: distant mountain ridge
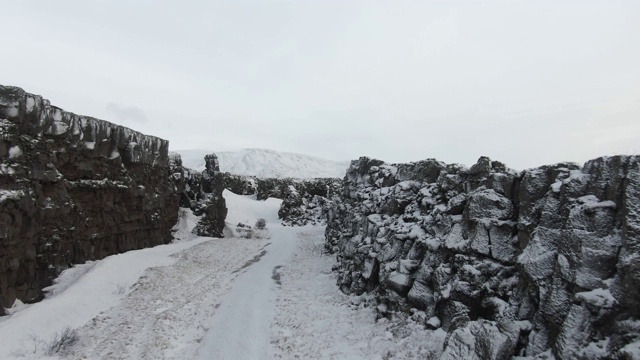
{"points": [[265, 163]]}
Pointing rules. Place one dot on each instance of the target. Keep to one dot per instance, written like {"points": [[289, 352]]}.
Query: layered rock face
{"points": [[543, 262], [73, 188]]}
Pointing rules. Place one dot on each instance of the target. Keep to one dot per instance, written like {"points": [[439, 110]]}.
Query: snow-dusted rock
{"points": [[541, 263], [202, 193]]}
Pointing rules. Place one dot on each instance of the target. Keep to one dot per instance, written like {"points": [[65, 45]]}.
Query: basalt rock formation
{"points": [[74, 188], [540, 263], [202, 193], [307, 202]]}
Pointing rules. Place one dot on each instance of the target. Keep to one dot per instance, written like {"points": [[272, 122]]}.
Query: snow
{"points": [[10, 195], [6, 169], [240, 328], [592, 202], [12, 112], [246, 209], [264, 163], [15, 152], [59, 128], [57, 114], [228, 298], [632, 351], [31, 102], [314, 320], [596, 350], [94, 292], [597, 297]]}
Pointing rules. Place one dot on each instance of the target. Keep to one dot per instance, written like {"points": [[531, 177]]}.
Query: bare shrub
{"points": [[62, 341]]}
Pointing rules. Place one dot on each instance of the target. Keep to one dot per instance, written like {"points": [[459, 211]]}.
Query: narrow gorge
{"points": [[542, 263]]}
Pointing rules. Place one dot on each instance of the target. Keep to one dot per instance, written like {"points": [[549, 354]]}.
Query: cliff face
{"points": [[507, 263], [74, 188]]}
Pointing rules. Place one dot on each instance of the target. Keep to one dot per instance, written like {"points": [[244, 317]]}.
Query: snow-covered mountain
{"points": [[266, 163]]}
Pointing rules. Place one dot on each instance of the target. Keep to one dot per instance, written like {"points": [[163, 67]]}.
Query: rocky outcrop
{"points": [[240, 184], [273, 187], [308, 201], [202, 193], [533, 263], [73, 188], [213, 209], [305, 201]]}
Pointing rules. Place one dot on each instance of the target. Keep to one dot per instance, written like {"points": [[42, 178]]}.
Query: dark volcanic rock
{"points": [[74, 188], [307, 201], [202, 193], [240, 184], [213, 209], [510, 263]]}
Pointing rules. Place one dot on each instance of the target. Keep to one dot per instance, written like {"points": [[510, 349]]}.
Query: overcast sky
{"points": [[524, 82]]}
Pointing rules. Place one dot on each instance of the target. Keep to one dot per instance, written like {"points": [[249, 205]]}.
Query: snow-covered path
{"points": [[241, 327], [234, 298]]}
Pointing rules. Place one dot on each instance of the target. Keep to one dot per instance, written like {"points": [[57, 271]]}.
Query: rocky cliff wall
{"points": [[74, 188], [543, 262]]}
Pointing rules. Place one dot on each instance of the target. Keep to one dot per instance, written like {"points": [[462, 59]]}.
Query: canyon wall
{"points": [[540, 263], [74, 188]]}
